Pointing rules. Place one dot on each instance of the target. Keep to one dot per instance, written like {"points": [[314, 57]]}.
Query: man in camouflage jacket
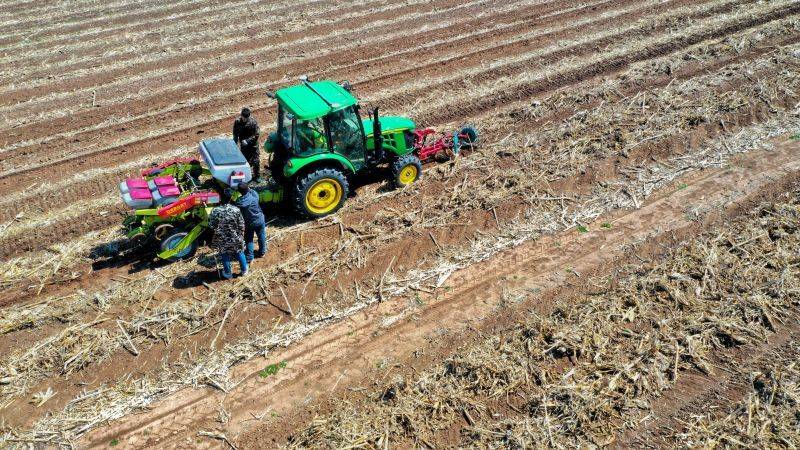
{"points": [[227, 223], [245, 133]]}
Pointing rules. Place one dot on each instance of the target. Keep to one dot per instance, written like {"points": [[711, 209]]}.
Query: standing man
{"points": [[254, 222], [228, 225], [245, 133]]}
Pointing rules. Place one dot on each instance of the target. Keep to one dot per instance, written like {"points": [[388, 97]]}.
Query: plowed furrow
{"points": [[49, 13], [545, 59], [224, 101], [78, 60], [605, 67], [230, 63], [97, 24]]}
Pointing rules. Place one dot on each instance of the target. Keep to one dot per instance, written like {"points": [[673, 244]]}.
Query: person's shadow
{"points": [[204, 277]]}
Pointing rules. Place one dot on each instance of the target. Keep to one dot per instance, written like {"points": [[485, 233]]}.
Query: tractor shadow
{"points": [[120, 253]]}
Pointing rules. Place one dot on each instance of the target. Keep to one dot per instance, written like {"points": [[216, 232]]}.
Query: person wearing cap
{"points": [[254, 222], [227, 223], [245, 133]]}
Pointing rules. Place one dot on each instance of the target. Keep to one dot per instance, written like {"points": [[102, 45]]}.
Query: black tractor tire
{"points": [[172, 239], [406, 170], [320, 192]]}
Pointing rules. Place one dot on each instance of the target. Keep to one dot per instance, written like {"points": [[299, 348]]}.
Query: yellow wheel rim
{"points": [[408, 174], [324, 196]]}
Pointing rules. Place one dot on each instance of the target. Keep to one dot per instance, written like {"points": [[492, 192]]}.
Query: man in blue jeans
{"points": [[254, 222], [228, 225]]}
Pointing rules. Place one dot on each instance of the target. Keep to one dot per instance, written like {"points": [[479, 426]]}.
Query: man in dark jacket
{"points": [[245, 133], [254, 222], [228, 226]]}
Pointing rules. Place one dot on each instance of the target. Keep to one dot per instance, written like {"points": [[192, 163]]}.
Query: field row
{"points": [[57, 22], [134, 45], [240, 59]]}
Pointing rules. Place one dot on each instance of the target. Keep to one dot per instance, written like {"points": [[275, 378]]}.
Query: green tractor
{"points": [[321, 141]]}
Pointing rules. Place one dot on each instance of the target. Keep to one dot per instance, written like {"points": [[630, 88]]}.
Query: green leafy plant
{"points": [[114, 442], [272, 369], [683, 186], [582, 229], [795, 137], [605, 225]]}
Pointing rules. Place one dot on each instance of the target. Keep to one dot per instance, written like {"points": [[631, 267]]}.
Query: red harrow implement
{"points": [[431, 145]]}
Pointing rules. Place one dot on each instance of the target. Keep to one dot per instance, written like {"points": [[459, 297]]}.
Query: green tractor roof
{"points": [[314, 100]]}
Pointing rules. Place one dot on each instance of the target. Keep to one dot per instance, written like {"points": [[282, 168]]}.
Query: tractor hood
{"points": [[389, 124]]}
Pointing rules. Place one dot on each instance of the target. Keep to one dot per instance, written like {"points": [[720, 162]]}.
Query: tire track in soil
{"points": [[343, 354], [66, 229], [6, 179]]}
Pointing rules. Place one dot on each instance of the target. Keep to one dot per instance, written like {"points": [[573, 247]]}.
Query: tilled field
{"points": [[591, 112]]}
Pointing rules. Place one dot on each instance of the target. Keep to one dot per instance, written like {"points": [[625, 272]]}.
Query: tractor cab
{"points": [[320, 118], [321, 140]]}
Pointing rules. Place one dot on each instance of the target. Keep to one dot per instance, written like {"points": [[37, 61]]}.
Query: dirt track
{"points": [[528, 73]]}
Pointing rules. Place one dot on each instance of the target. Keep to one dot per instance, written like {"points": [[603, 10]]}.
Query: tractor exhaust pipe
{"points": [[377, 136]]}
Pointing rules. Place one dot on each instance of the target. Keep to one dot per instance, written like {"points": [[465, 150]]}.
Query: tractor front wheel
{"points": [[172, 240], [406, 170], [320, 192]]}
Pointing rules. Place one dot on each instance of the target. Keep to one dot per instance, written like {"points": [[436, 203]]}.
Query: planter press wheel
{"points": [[173, 239]]}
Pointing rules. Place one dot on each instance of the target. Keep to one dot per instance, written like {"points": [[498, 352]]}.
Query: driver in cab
{"points": [[310, 136]]}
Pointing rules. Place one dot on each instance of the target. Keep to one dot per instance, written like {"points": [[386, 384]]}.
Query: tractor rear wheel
{"points": [[172, 240], [320, 192], [406, 170]]}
